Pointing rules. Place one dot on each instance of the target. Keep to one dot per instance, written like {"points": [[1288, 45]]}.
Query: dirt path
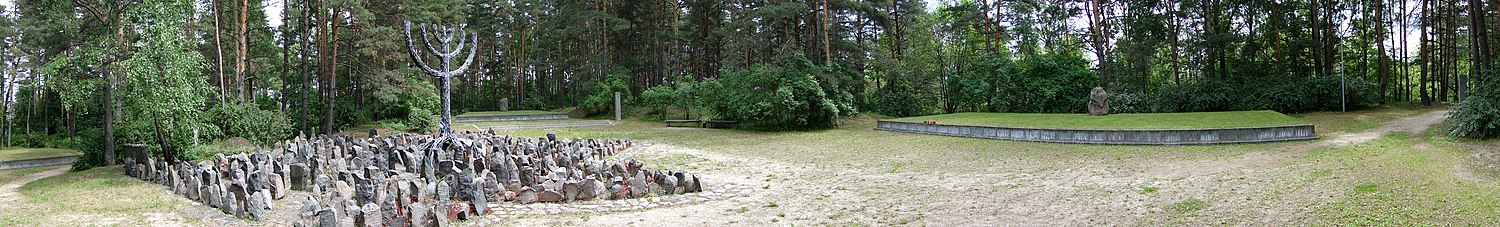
{"points": [[9, 194], [1414, 125]]}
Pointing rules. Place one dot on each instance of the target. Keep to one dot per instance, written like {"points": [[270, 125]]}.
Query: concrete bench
{"points": [[720, 124], [692, 123]]}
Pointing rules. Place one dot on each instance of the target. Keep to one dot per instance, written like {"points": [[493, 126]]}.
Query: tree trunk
{"points": [[302, 58], [332, 71], [1382, 62], [5, 87], [1422, 51], [242, 44], [219, 51]]}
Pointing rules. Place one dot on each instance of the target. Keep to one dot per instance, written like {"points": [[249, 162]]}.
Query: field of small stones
{"points": [[1390, 172]]}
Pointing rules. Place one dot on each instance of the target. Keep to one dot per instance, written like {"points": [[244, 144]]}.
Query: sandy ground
{"points": [[1255, 188]]}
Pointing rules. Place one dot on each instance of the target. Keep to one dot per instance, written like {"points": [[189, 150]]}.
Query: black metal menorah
{"points": [[445, 51]]}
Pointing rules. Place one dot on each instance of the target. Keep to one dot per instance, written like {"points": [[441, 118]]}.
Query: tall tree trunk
{"points": [[1422, 89], [827, 51], [242, 44], [1382, 62], [5, 87], [332, 71], [302, 59], [219, 51], [1479, 43]]}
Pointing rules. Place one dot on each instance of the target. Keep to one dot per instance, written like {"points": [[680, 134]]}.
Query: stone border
{"points": [[35, 162], [527, 117], [1111, 137]]}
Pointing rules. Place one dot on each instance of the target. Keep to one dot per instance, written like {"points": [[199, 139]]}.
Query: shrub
{"points": [[252, 123], [1050, 83], [601, 98], [1130, 102], [1478, 116], [898, 100], [780, 97], [91, 143], [681, 95], [1286, 95]]}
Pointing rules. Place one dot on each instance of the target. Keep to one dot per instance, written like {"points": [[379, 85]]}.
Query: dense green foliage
{"points": [[1478, 116], [681, 95], [776, 97], [263, 127], [1288, 95], [602, 98]]}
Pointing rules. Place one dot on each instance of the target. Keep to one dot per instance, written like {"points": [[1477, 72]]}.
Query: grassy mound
{"points": [[1197, 120], [30, 153], [506, 113]]}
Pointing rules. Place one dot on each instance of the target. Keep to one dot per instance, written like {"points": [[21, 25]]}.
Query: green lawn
{"points": [[30, 153], [96, 197], [1198, 120], [507, 113]]}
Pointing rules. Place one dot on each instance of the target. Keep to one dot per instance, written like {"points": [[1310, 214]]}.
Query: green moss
{"points": [[1236, 119], [30, 153]]}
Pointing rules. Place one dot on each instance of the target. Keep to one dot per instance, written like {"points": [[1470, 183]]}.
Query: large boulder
{"points": [[1098, 102]]}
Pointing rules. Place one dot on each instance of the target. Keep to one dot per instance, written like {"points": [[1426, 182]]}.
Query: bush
{"points": [[602, 97], [1478, 116], [91, 143], [681, 95], [1130, 102], [780, 97], [1050, 83], [898, 100], [250, 122], [1286, 95]]}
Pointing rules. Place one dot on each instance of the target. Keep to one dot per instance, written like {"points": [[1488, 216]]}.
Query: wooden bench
{"points": [[692, 123], [720, 124]]}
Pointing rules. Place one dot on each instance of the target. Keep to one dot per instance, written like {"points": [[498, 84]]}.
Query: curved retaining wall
{"points": [[1119, 137], [529, 117], [28, 163]]}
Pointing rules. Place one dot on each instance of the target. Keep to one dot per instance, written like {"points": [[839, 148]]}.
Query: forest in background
{"points": [[90, 74]]}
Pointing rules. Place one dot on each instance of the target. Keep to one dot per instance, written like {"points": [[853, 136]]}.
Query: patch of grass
{"points": [[12, 174], [1147, 190], [1405, 182], [1366, 188], [1188, 205], [30, 153], [1197, 120], [98, 196], [771, 204]]}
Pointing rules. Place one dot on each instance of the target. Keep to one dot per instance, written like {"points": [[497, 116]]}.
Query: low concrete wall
{"points": [[530, 117], [28, 163], [1119, 137]]}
